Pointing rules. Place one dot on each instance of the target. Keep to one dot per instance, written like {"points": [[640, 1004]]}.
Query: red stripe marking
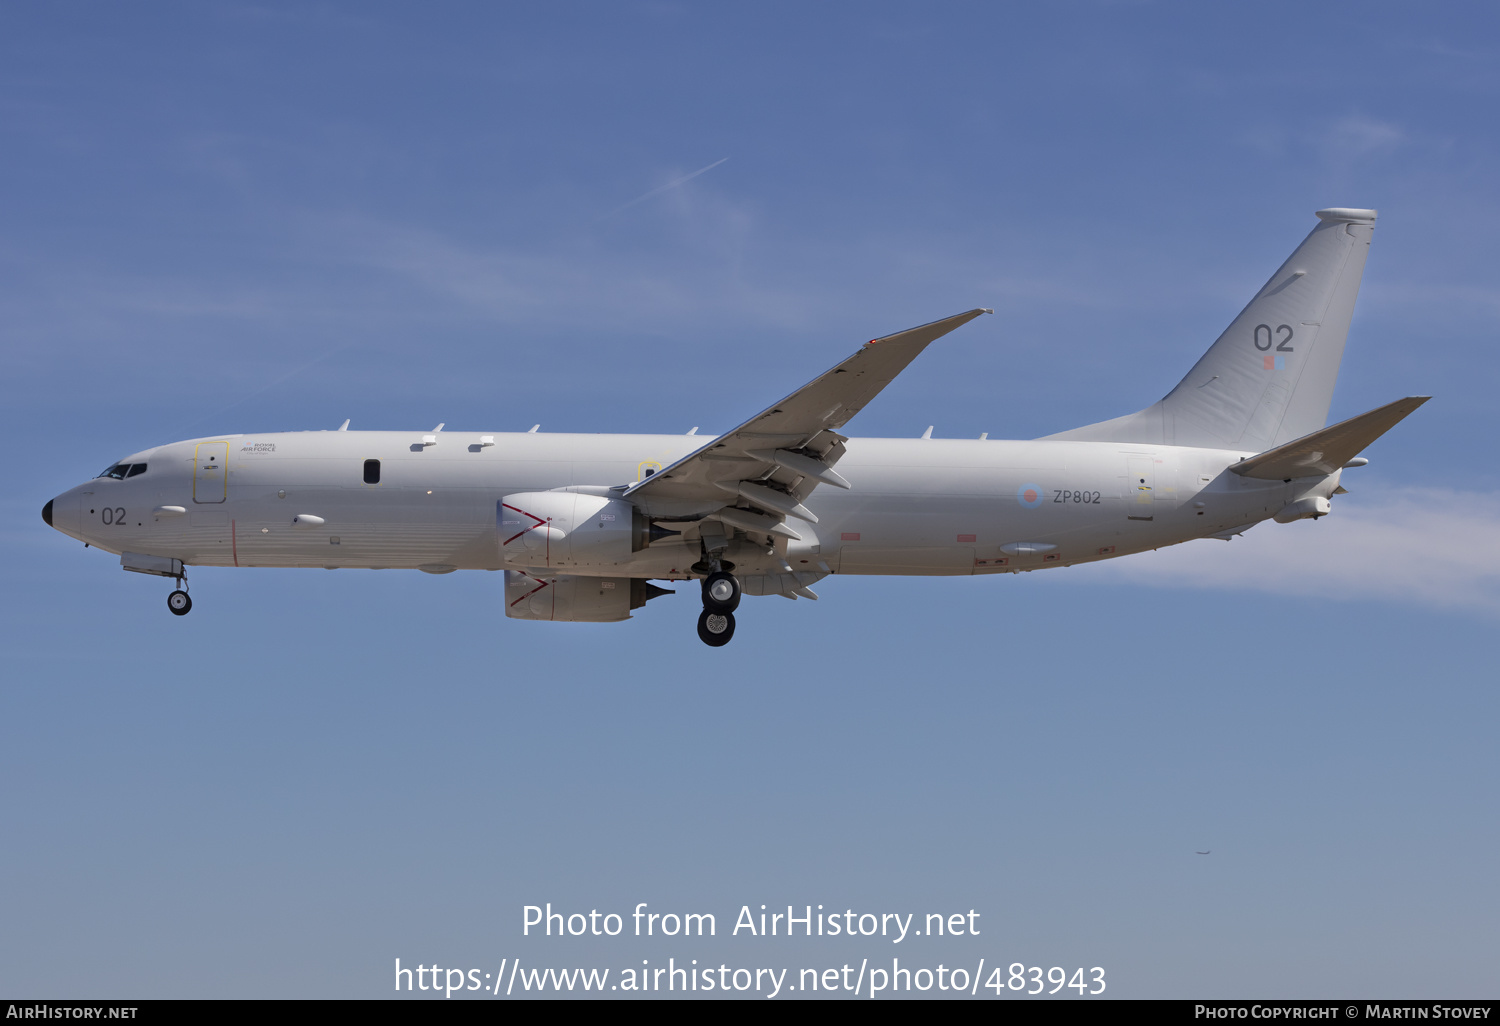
{"points": [[539, 586], [533, 527]]}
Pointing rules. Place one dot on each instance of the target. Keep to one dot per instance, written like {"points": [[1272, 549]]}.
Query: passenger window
{"points": [[136, 468], [372, 471]]}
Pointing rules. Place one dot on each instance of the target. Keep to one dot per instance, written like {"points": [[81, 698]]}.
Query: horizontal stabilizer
{"points": [[1327, 449]]}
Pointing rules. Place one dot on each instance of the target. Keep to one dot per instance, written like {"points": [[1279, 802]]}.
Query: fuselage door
{"points": [[1140, 485], [211, 472]]}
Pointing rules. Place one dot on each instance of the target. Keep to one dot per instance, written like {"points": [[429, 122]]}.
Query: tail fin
{"points": [[1269, 378]]}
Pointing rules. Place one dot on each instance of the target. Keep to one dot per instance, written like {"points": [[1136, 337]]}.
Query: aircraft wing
{"points": [[1327, 449], [774, 460]]}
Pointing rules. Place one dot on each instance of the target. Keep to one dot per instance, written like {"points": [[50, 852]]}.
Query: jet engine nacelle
{"points": [[566, 597], [569, 597], [553, 530]]}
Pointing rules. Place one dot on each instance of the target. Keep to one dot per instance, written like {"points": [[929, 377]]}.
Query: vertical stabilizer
{"points": [[1269, 378]]}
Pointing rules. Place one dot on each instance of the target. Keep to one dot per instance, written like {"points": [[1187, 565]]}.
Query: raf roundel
{"points": [[1029, 495]]}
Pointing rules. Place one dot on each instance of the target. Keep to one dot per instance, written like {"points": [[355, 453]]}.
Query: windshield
{"points": [[120, 471]]}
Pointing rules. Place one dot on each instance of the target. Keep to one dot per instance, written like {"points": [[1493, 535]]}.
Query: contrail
{"points": [[661, 189], [285, 377]]}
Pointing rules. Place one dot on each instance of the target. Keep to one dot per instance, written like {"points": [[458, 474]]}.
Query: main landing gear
{"points": [[721, 596]]}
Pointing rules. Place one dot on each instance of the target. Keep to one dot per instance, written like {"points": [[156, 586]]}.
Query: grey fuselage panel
{"points": [[915, 506]]}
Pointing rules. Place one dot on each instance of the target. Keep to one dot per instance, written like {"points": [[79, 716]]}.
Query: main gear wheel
{"points": [[715, 628]]}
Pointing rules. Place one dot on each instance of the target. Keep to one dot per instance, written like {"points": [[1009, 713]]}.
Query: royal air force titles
{"points": [[808, 921]]}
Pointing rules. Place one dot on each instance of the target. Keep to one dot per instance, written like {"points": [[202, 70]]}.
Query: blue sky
{"points": [[235, 217]]}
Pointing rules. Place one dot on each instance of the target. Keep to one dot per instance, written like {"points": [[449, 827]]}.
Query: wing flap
{"points": [[1327, 449], [786, 450]]}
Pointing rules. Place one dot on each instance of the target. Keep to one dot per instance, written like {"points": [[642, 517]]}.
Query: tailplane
{"points": [[1328, 450], [1269, 378]]}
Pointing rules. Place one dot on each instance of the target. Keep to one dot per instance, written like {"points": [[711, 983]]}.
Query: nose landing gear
{"points": [[162, 566], [179, 602]]}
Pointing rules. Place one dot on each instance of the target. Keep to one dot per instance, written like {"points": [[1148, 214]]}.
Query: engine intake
{"points": [[553, 530]]}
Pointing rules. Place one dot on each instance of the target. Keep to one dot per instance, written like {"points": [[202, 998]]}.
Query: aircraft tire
{"points": [[715, 629], [716, 582], [179, 603]]}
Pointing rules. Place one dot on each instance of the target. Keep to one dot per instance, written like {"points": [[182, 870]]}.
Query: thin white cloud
{"points": [[352, 269], [1267, 140], [1430, 547], [1438, 295], [1092, 293], [1348, 138], [579, 281], [1360, 136]]}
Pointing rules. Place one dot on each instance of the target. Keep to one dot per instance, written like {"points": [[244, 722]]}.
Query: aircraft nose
{"points": [[63, 514]]}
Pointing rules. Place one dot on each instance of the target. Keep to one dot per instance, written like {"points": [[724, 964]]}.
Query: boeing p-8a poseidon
{"points": [[582, 523]]}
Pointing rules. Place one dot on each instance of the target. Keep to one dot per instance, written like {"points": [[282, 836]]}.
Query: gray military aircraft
{"points": [[581, 524]]}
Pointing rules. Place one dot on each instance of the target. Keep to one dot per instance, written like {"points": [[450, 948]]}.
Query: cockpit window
{"points": [[136, 469], [120, 471]]}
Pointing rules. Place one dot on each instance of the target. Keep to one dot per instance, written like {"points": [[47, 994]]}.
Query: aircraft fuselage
{"points": [[915, 506]]}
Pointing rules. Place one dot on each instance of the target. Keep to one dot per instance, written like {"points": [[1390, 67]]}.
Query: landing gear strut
{"points": [[179, 602], [721, 596], [721, 592]]}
